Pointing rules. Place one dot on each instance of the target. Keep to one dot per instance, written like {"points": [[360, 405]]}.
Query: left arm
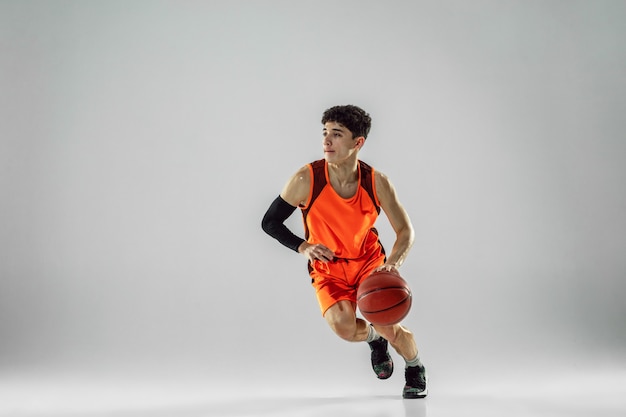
{"points": [[399, 220]]}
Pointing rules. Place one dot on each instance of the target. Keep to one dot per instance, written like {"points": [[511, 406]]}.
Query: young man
{"points": [[340, 198]]}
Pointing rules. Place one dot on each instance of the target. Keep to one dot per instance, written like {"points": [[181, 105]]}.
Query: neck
{"points": [[345, 171]]}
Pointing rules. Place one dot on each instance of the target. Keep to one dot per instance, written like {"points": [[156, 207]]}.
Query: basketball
{"points": [[384, 298]]}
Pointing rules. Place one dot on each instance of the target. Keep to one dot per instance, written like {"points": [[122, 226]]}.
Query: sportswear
{"points": [[382, 364], [416, 382], [341, 224], [345, 226], [273, 223]]}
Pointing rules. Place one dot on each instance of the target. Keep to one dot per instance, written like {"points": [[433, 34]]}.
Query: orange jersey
{"points": [[344, 225]]}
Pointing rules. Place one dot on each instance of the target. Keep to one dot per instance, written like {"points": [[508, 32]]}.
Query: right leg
{"points": [[341, 317], [338, 304]]}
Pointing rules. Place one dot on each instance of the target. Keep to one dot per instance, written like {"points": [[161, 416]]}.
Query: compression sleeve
{"points": [[273, 223]]}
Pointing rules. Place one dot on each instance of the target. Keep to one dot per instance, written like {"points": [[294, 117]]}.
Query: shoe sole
{"points": [[418, 395], [412, 397]]}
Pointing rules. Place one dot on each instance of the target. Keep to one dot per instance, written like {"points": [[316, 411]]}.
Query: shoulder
{"points": [[296, 190], [381, 179], [385, 190], [302, 177], [303, 171]]}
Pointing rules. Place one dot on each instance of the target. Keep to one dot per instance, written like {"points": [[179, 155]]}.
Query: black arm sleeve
{"points": [[273, 223]]}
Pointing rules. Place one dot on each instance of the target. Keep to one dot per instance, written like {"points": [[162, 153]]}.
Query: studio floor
{"points": [[602, 394]]}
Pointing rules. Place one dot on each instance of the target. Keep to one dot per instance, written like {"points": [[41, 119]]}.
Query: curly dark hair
{"points": [[354, 118]]}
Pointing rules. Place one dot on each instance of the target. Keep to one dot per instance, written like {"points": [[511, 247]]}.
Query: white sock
{"points": [[414, 362], [372, 335]]}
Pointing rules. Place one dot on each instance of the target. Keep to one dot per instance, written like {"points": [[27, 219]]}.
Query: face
{"points": [[338, 142]]}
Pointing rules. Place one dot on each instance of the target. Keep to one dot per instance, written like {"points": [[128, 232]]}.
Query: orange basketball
{"points": [[384, 298]]}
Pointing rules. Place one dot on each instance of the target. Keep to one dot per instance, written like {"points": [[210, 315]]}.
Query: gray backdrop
{"points": [[142, 141]]}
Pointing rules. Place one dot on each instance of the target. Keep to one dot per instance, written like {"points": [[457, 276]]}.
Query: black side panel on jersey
{"points": [[319, 182], [367, 181]]}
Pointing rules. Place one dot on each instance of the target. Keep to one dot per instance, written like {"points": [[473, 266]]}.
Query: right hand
{"points": [[316, 252]]}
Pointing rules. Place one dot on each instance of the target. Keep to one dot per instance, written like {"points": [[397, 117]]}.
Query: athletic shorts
{"points": [[339, 279]]}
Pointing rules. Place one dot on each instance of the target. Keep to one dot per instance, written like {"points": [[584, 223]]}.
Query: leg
{"points": [[401, 339], [403, 342], [341, 317]]}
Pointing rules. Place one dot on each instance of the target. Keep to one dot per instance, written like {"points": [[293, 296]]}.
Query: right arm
{"points": [[294, 193]]}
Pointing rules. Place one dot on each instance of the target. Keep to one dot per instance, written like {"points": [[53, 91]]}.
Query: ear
{"points": [[360, 141]]}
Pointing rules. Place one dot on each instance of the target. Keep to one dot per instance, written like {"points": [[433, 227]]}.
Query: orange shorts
{"points": [[339, 279]]}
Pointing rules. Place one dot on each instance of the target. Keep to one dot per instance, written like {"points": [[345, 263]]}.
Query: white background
{"points": [[141, 143]]}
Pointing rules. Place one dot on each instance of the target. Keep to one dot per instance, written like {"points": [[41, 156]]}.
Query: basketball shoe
{"points": [[416, 380], [381, 361]]}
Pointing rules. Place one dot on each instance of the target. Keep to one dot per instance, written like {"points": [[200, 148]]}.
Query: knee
{"points": [[342, 320], [344, 328], [393, 333]]}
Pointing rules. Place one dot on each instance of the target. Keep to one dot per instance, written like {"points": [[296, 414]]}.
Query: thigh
{"points": [[331, 285], [343, 311], [329, 292]]}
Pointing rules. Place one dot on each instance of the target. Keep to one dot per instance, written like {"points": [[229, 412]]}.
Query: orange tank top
{"points": [[344, 225]]}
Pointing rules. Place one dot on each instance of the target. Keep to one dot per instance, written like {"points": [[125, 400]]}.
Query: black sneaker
{"points": [[416, 380], [381, 361]]}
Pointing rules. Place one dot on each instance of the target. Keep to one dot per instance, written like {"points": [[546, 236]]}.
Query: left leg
{"points": [[341, 317], [403, 342], [400, 338]]}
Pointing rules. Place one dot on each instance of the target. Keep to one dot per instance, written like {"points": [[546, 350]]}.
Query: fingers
{"points": [[321, 253], [324, 254]]}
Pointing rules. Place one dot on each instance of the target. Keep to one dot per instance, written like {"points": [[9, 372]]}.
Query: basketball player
{"points": [[340, 198]]}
